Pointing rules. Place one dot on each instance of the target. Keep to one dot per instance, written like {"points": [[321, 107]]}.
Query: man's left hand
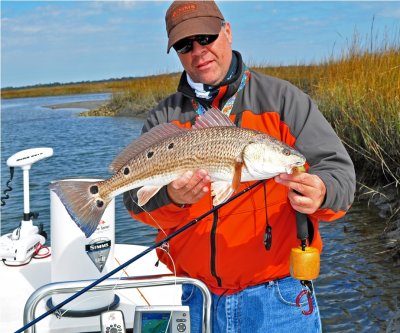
{"points": [[306, 191]]}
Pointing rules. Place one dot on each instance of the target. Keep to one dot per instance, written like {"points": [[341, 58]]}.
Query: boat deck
{"points": [[18, 283]]}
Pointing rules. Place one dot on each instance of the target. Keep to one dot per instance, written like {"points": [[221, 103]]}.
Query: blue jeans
{"points": [[269, 307]]}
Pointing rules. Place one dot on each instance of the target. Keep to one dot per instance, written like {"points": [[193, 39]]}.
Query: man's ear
{"points": [[228, 31]]}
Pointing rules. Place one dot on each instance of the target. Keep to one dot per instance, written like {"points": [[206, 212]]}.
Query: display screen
{"points": [[155, 322]]}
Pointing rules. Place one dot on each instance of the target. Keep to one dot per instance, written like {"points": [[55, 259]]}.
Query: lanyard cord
{"points": [[268, 228], [200, 110]]}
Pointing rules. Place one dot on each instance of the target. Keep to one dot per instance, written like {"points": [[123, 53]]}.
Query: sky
{"points": [[70, 41]]}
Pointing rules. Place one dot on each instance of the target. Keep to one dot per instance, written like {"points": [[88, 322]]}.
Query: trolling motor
{"points": [[18, 247]]}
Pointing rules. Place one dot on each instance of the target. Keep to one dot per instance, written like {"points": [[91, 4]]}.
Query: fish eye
{"points": [[286, 152]]}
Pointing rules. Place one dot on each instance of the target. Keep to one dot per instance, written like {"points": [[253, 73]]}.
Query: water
{"points": [[358, 288], [83, 146]]}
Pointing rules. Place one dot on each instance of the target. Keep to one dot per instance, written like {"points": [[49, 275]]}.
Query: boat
{"points": [[74, 283]]}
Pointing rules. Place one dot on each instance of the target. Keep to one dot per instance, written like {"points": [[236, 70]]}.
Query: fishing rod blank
{"points": [[138, 256]]}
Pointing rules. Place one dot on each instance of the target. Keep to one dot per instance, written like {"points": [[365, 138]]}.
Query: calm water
{"points": [[358, 289]]}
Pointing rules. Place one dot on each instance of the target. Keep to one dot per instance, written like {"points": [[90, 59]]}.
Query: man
{"points": [[251, 285]]}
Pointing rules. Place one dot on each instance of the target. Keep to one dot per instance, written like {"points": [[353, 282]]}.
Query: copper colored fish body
{"points": [[229, 154]]}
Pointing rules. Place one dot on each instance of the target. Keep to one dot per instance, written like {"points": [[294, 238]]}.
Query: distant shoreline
{"points": [[98, 108], [90, 105]]}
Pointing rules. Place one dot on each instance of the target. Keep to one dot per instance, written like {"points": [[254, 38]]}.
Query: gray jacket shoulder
{"points": [[175, 107]]}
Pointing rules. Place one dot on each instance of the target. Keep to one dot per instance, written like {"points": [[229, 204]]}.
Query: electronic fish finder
{"points": [[162, 319]]}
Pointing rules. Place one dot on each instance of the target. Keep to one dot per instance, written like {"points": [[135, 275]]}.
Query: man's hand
{"points": [[306, 191], [189, 188]]}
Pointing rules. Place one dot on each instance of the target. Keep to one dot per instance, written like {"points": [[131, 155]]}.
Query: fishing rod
{"points": [[138, 256]]}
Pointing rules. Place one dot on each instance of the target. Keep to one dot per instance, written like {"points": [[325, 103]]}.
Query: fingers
{"points": [[301, 203], [306, 191], [190, 187]]}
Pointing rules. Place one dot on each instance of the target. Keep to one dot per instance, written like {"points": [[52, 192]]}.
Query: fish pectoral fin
{"points": [[221, 191], [146, 193], [237, 173]]}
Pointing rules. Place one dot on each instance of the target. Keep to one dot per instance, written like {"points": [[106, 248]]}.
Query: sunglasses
{"points": [[186, 45]]}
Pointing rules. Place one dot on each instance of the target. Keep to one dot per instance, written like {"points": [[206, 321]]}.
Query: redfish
{"points": [[230, 155]]}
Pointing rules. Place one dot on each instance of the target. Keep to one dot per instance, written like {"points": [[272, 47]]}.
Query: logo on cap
{"points": [[184, 10]]}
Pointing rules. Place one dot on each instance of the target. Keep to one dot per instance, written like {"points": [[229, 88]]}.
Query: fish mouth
{"points": [[295, 167]]}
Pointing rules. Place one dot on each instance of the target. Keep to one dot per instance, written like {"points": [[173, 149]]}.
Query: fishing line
{"points": [[148, 213], [138, 256], [158, 226], [173, 263], [61, 314], [138, 289], [115, 286]]}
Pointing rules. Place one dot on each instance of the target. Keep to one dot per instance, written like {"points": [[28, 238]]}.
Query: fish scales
{"points": [[213, 149], [228, 153]]}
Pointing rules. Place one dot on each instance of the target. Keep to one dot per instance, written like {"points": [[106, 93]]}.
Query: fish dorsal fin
{"points": [[212, 118], [143, 142]]}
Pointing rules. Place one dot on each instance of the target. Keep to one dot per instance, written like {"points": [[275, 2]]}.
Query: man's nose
{"points": [[198, 48]]}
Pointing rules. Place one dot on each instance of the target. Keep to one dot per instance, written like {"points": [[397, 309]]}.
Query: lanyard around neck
{"points": [[227, 108]]}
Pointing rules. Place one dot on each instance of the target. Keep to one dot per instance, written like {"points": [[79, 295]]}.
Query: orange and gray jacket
{"points": [[226, 250]]}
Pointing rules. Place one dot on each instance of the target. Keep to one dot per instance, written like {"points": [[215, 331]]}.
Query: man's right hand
{"points": [[189, 188]]}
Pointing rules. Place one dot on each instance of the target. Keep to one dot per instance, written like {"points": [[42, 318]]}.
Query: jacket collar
{"points": [[232, 84]]}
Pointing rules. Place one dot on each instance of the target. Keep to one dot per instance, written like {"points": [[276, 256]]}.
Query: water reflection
{"points": [[358, 287]]}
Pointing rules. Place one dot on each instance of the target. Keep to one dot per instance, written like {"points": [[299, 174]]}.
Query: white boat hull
{"points": [[18, 283]]}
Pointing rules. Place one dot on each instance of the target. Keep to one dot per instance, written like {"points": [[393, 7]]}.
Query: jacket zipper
{"points": [[214, 248]]}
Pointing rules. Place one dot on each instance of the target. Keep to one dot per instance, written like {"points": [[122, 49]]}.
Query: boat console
{"points": [[162, 318]]}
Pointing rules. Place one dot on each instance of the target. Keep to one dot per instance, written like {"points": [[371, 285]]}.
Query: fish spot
{"points": [[286, 152], [171, 145], [126, 171], [94, 189], [99, 203], [150, 154]]}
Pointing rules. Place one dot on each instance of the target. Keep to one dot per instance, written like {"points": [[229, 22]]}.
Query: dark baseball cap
{"points": [[190, 18]]}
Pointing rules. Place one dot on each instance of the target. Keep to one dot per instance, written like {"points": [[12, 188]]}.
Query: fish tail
{"points": [[83, 202]]}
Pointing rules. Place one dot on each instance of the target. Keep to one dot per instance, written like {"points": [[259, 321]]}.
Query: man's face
{"points": [[209, 64]]}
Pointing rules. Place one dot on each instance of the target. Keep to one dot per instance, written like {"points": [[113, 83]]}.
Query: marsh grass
{"points": [[359, 94], [140, 96]]}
